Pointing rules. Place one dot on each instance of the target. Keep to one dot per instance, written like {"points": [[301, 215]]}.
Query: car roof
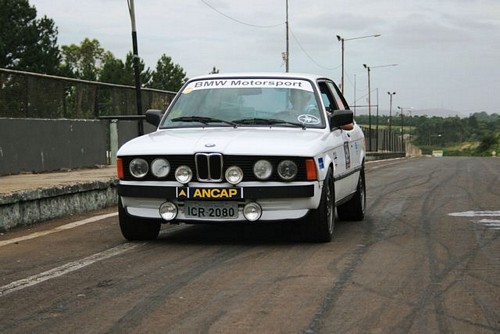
{"points": [[274, 75]]}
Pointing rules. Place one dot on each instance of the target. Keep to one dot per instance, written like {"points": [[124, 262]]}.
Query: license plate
{"points": [[211, 210]]}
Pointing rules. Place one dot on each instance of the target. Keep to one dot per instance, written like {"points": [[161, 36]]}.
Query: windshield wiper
{"points": [[267, 121], [203, 120]]}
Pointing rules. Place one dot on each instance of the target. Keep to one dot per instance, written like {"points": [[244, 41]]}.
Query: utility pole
{"points": [[138, 97], [287, 59]]}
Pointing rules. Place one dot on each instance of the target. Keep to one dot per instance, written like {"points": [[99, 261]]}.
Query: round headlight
{"points": [[138, 168], [234, 175], [263, 169], [183, 174], [287, 170], [160, 167]]}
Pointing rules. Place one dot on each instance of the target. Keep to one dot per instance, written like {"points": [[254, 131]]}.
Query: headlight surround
{"points": [[183, 174], [138, 167], [160, 167], [287, 170], [262, 169], [234, 175]]}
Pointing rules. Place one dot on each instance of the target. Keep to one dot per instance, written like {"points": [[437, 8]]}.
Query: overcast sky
{"points": [[447, 51]]}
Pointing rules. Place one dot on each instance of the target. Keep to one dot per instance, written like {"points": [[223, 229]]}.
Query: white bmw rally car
{"points": [[239, 148]]}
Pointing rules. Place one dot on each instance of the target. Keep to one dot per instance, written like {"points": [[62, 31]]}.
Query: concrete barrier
{"points": [[33, 198]]}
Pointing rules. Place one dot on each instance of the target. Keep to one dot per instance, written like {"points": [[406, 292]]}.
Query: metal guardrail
{"points": [[31, 95], [124, 117]]}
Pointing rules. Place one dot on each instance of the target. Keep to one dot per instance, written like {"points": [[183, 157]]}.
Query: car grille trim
{"points": [[209, 167]]}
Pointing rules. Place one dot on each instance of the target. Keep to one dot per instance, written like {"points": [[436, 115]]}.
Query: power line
{"points": [[309, 56], [239, 21], [269, 26]]}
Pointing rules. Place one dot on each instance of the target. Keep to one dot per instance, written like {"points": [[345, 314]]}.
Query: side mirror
{"points": [[340, 118], [154, 116]]}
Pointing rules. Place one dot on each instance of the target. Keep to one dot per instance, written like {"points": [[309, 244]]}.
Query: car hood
{"points": [[234, 141]]}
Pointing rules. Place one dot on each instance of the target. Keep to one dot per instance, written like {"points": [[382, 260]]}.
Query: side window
{"points": [[340, 102], [327, 96]]}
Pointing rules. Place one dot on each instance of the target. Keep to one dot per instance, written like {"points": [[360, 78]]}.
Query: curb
{"points": [[29, 207]]}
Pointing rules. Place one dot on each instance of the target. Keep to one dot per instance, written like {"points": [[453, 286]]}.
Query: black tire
{"points": [[355, 208], [321, 222], [134, 228]]}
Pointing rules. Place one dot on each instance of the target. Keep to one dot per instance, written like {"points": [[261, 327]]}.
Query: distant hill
{"points": [[439, 112], [423, 112]]}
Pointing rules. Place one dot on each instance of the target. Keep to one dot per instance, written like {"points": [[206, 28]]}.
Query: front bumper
{"points": [[279, 201]]}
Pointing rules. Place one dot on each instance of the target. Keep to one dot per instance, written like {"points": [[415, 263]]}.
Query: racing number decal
{"points": [[347, 155]]}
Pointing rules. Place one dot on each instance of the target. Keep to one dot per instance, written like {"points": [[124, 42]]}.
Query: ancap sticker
{"points": [[209, 193]]}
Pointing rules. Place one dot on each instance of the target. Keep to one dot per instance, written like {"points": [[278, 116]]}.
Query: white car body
{"points": [[338, 150]]}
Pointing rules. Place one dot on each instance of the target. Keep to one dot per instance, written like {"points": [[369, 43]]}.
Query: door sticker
{"points": [[347, 155]]}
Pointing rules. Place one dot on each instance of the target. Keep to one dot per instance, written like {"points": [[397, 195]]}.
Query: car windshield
{"points": [[246, 102]]}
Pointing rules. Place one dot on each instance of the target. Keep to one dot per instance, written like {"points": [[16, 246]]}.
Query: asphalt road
{"points": [[425, 260]]}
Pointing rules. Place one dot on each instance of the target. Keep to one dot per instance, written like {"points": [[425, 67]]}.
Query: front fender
{"points": [[324, 163]]}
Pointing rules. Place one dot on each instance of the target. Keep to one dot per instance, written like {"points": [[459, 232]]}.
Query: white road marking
{"points": [[58, 229], [66, 268], [493, 224], [71, 266], [475, 214]]}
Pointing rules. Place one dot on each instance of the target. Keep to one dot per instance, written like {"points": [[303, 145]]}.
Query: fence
{"points": [[30, 95], [50, 123], [383, 140]]}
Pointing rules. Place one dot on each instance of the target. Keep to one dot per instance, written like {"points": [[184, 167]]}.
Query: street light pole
{"points": [[370, 101], [390, 110], [369, 109], [137, 76], [402, 129], [342, 40], [376, 126]]}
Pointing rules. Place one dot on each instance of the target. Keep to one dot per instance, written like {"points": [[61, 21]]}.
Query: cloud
{"points": [[447, 50]]}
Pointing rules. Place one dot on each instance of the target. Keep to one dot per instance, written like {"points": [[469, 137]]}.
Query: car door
{"points": [[347, 155]]}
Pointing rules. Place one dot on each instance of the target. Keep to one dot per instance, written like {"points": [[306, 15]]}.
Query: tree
{"points": [[488, 142], [167, 75], [114, 71], [84, 61], [145, 74], [27, 43]]}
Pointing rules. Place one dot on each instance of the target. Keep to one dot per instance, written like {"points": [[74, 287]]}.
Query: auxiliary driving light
{"points": [[234, 175], [168, 211], [252, 211], [183, 174]]}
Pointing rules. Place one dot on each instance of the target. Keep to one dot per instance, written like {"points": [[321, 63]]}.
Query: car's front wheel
{"points": [[134, 228], [321, 221]]}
